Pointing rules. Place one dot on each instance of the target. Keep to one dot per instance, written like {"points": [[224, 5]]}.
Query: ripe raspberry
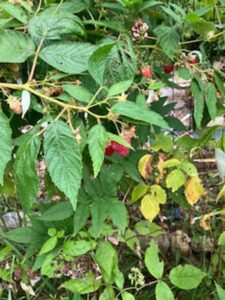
{"points": [[109, 151], [120, 149], [193, 61], [146, 72], [168, 69]]}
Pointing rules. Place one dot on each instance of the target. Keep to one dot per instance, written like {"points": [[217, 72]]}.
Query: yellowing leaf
{"points": [[139, 191], [190, 169], [158, 194], [175, 180], [163, 142], [149, 207], [170, 163], [144, 166], [193, 190]]}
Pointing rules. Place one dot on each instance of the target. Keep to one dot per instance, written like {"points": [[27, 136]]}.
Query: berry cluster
{"points": [[113, 148], [139, 31]]}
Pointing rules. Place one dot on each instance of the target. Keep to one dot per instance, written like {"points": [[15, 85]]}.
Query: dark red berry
{"points": [[168, 69], [109, 151]]}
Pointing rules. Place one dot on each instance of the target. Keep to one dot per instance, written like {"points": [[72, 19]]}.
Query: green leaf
{"points": [[97, 140], [23, 235], [113, 63], [189, 168], [53, 26], [15, 47], [221, 240], [49, 245], [77, 248], [58, 212], [24, 170], [118, 139], [220, 291], [108, 294], [97, 62], [99, 212], [118, 214], [82, 286], [186, 277], [220, 162], [196, 88], [134, 111], [168, 38], [68, 57], [80, 217], [78, 92], [16, 11], [127, 296], [106, 258], [175, 180], [163, 142], [163, 291], [71, 7], [63, 159], [119, 88], [139, 191], [211, 99], [219, 83], [152, 262], [5, 142]]}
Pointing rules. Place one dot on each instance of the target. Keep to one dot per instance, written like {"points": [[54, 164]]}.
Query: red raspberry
{"points": [[146, 72], [120, 149], [168, 69], [109, 151]]}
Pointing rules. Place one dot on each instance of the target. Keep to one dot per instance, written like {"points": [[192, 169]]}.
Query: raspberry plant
{"points": [[101, 173]]}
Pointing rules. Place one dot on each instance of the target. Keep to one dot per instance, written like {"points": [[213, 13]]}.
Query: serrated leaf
{"points": [[144, 166], [106, 257], [170, 163], [16, 11], [193, 190], [189, 168], [97, 62], [219, 83], [211, 100], [63, 159], [24, 170], [119, 88], [6, 144], [136, 112], [118, 214], [77, 248], [49, 245], [127, 296], [53, 26], [107, 294], [175, 179], [118, 139], [99, 212], [152, 262], [68, 57], [15, 47], [163, 291], [80, 216], [97, 140], [186, 277], [139, 191], [168, 38], [149, 208], [163, 142], [58, 212], [78, 92], [196, 88]]}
